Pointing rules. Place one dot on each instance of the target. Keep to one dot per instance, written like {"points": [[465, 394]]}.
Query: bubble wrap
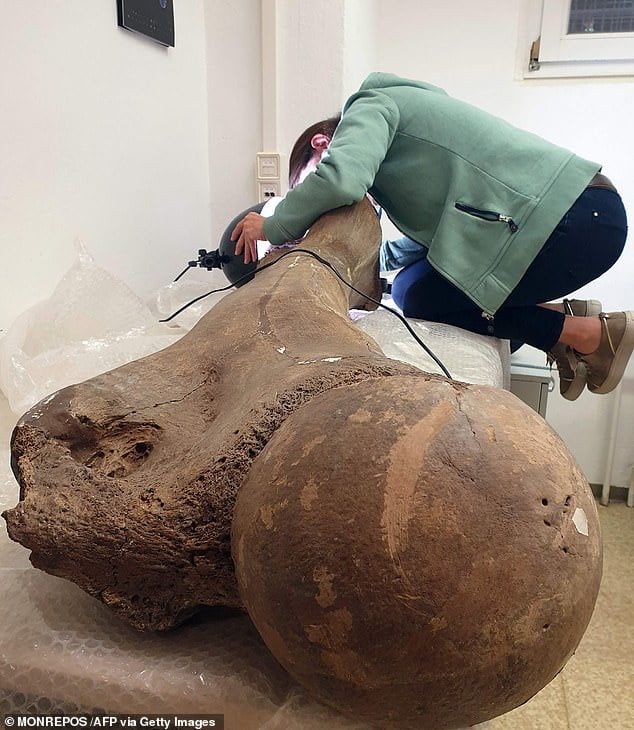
{"points": [[167, 300], [91, 323], [469, 357]]}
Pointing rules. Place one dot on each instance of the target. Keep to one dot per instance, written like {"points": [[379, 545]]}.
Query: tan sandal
{"points": [[572, 372], [606, 365]]}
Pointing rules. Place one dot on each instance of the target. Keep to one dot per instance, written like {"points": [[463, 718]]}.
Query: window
{"points": [[601, 16], [584, 38]]}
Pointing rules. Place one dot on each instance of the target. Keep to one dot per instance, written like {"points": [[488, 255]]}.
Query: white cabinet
{"points": [[531, 378]]}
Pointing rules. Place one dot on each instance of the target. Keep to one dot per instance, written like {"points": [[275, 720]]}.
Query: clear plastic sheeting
{"points": [[91, 323], [172, 297], [469, 357]]}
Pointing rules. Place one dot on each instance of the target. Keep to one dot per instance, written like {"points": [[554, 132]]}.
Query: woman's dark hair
{"points": [[302, 150]]}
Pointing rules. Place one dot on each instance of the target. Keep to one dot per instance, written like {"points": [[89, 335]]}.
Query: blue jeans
{"points": [[585, 244]]}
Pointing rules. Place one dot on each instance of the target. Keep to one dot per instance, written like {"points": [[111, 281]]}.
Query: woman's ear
{"points": [[320, 142]]}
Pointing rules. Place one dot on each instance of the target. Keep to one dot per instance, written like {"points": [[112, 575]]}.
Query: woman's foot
{"points": [[606, 364], [582, 307], [576, 307], [572, 372]]}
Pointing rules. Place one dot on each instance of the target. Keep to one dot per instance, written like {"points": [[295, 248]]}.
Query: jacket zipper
{"points": [[488, 215]]}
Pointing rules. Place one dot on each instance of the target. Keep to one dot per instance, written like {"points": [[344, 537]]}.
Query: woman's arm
{"points": [[343, 176]]}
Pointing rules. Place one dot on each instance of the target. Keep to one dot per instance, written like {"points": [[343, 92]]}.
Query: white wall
{"points": [[472, 50], [314, 55], [310, 66], [325, 49], [302, 64], [103, 138], [234, 87], [361, 36]]}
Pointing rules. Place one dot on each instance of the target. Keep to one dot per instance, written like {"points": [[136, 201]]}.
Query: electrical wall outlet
{"points": [[268, 189], [268, 165], [268, 181]]}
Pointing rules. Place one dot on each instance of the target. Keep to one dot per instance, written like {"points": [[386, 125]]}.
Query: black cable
{"points": [[328, 265], [224, 288], [184, 271], [379, 304]]}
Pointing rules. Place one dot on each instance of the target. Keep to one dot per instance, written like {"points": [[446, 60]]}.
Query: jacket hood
{"points": [[379, 80]]}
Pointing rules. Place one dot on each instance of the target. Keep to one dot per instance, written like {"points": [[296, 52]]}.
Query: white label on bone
{"points": [[581, 521]]}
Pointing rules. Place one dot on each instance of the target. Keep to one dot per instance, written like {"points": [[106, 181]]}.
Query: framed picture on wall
{"points": [[151, 18]]}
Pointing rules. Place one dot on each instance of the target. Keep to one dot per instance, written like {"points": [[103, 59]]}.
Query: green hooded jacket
{"points": [[480, 195]]}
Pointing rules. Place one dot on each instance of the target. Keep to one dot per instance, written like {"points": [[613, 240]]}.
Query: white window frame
{"points": [[559, 54]]}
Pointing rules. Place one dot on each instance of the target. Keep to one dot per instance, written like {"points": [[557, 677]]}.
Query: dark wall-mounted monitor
{"points": [[152, 18]]}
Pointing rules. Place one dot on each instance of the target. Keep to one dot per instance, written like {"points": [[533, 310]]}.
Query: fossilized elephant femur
{"points": [[417, 552]]}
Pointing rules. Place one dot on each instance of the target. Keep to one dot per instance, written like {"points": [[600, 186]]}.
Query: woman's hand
{"points": [[247, 233]]}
